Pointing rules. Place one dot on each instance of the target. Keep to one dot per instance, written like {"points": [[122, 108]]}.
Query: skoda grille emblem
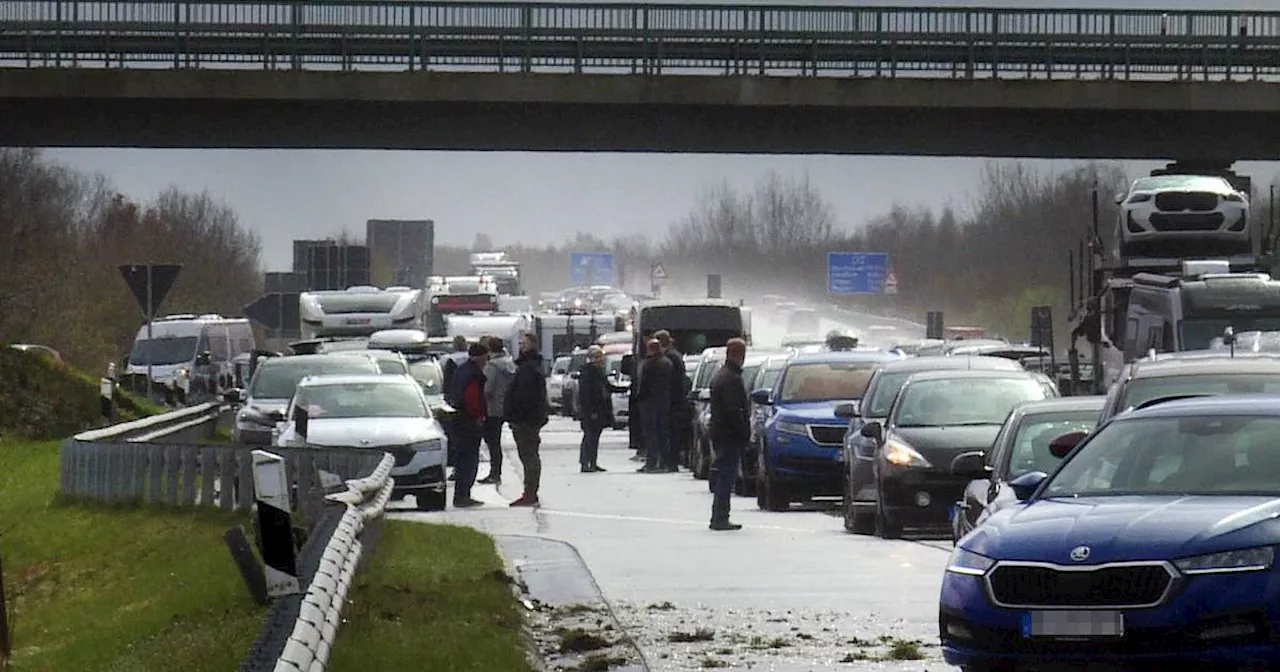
{"points": [[1080, 553]]}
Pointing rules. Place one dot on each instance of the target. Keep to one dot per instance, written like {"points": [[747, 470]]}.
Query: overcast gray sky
{"points": [[534, 198]]}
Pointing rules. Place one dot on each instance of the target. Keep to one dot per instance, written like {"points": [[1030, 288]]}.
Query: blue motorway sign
{"points": [[591, 268], [856, 272]]}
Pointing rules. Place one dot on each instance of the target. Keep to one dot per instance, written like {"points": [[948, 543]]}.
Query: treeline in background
{"points": [[987, 262]]}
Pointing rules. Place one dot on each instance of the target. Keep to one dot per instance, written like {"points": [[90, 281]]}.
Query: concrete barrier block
{"points": [[311, 611], [298, 654], [324, 583], [329, 632], [286, 666], [322, 654], [306, 634]]}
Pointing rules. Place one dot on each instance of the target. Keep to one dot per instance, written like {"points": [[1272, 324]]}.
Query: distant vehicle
{"points": [[859, 499], [555, 384], [376, 413], [458, 295], [694, 325], [1161, 523], [964, 333], [800, 455], [761, 375], [1203, 374], [700, 457], [264, 400], [562, 332], [510, 328], [620, 399], [1021, 447], [569, 388], [360, 311], [1170, 215], [936, 417], [504, 271], [193, 353], [804, 321]]}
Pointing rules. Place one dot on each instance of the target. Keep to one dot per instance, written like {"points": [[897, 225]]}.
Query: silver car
{"points": [[272, 385], [381, 412]]}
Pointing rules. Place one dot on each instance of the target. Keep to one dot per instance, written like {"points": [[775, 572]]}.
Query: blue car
{"points": [[1153, 543], [800, 456]]}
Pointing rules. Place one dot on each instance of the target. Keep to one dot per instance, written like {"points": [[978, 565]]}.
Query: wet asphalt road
{"points": [[790, 592]]}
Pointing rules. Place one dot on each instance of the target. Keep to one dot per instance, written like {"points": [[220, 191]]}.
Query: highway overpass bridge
{"points": [[404, 74]]}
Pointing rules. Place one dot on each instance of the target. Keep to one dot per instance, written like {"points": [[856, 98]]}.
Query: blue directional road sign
{"points": [[591, 268], [857, 272]]}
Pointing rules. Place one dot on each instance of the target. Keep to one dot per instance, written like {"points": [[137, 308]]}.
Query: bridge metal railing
{"points": [[641, 38]]}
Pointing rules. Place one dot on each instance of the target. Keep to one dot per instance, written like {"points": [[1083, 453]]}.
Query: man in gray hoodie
{"points": [[499, 373]]}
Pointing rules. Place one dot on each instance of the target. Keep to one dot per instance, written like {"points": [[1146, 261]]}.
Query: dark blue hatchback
{"points": [[1153, 542]]}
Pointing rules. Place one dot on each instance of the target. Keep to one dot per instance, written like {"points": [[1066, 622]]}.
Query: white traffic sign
{"points": [[658, 272], [891, 284]]}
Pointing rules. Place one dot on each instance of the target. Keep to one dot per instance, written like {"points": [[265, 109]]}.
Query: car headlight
{"points": [[1139, 198], [903, 455], [1234, 198], [428, 445], [788, 427], [969, 563], [1246, 560]]}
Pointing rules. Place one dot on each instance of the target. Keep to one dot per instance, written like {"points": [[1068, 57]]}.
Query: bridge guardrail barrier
{"points": [[641, 38]]}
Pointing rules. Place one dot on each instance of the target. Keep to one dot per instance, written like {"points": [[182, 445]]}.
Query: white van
{"points": [[176, 344]]}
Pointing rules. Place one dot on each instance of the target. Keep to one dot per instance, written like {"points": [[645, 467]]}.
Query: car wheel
{"points": [[771, 495], [987, 667], [855, 521], [432, 500], [885, 526]]}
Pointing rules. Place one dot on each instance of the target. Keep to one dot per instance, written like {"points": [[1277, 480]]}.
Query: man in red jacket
{"points": [[467, 396]]}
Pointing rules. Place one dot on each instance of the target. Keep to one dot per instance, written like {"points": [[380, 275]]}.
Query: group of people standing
{"points": [[488, 389]]}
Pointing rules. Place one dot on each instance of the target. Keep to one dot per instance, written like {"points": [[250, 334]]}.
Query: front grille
{"points": [[1208, 221], [1178, 201], [1045, 586], [813, 465], [403, 454], [827, 434]]}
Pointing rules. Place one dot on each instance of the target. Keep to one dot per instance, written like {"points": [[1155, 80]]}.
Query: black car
{"points": [[936, 417], [1191, 374], [1022, 446], [859, 451]]}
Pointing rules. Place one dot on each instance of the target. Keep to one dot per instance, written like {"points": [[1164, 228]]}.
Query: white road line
{"points": [[668, 521]]}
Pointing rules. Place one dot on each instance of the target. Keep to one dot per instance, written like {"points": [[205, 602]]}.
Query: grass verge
{"points": [[434, 597], [115, 589]]}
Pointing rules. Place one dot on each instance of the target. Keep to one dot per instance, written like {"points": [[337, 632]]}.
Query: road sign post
{"points": [[591, 268], [713, 286], [854, 273], [149, 283], [933, 325], [657, 277]]}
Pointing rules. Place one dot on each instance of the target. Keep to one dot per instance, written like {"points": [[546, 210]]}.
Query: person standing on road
{"points": [[654, 400], [498, 374], [681, 413], [468, 423], [527, 412], [596, 408], [730, 429], [450, 365]]}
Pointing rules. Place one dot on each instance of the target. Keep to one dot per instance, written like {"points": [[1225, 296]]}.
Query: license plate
{"points": [[1073, 624], [359, 320]]}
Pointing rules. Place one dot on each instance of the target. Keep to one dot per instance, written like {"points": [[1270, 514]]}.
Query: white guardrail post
{"points": [[275, 523], [321, 611]]}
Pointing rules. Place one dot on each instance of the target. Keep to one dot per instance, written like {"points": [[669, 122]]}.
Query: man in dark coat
{"points": [[681, 406], [730, 429], [654, 397], [468, 398], [595, 408], [448, 367], [527, 412]]}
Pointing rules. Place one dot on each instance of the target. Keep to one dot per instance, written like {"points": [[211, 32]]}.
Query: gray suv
{"points": [[272, 386]]}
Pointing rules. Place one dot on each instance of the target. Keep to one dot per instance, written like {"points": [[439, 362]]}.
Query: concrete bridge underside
{"points": [[64, 107]]}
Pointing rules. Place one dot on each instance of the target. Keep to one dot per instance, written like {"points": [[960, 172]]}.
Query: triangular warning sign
{"points": [[658, 272], [891, 284]]}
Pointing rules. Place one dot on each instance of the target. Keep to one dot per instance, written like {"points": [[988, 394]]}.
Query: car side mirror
{"points": [[1026, 485], [628, 365], [971, 465], [704, 395], [1119, 197], [872, 430], [1061, 446], [233, 396], [442, 412], [300, 420], [847, 410], [761, 396]]}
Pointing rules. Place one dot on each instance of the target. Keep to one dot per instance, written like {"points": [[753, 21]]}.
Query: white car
{"points": [[387, 413], [1183, 215], [619, 398], [555, 384]]}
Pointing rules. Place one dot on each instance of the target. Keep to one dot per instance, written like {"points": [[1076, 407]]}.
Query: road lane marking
{"points": [[668, 521]]}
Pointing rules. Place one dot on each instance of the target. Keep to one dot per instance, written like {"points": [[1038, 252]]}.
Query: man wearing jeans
{"points": [[527, 412], [468, 426], [730, 429]]}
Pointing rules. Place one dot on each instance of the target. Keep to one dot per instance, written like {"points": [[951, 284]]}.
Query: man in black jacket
{"points": [[527, 412], [654, 400], [681, 417], [595, 407], [730, 429]]}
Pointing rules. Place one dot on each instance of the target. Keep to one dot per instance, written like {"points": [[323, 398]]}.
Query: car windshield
{"points": [[164, 351], [826, 381], [276, 378], [1181, 182], [706, 372], [1142, 390], [362, 400], [427, 373], [1190, 455], [748, 375], [964, 401], [1030, 450], [1202, 333], [887, 387], [768, 378]]}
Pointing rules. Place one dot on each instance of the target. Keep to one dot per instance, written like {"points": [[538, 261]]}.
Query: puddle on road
{"points": [[678, 638]]}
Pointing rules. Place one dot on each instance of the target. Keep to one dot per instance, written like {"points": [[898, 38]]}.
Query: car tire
{"points": [[432, 500], [988, 667], [855, 521], [771, 495], [885, 526]]}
